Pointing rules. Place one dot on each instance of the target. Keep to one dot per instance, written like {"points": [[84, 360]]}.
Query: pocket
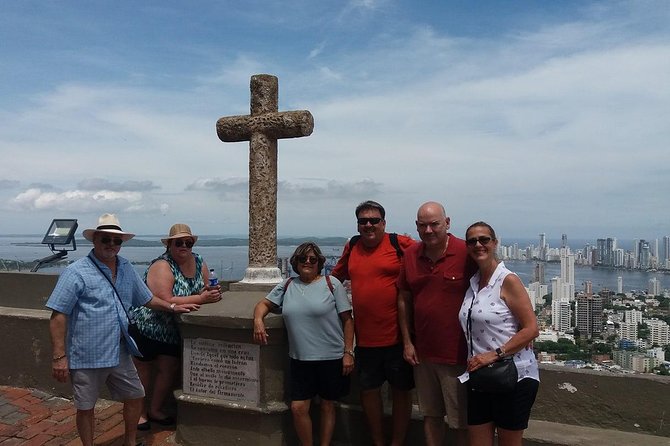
{"points": [[453, 282]]}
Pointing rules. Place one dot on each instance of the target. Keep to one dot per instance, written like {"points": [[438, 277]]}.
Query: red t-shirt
{"points": [[373, 273], [438, 290]]}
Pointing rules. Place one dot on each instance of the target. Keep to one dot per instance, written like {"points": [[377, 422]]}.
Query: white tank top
{"points": [[493, 323]]}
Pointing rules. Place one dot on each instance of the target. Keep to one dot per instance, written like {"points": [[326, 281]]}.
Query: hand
{"points": [[481, 360], [210, 294], [186, 308], [260, 334], [409, 353], [347, 364], [60, 370]]}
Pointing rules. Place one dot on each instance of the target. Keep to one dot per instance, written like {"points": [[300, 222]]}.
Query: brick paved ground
{"points": [[34, 418]]}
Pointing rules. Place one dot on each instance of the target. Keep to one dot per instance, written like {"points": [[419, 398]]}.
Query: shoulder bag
{"points": [[498, 377]]}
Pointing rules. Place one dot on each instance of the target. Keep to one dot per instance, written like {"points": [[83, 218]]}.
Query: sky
{"points": [[535, 116]]}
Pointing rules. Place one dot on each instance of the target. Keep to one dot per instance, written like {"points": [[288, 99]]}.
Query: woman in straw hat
{"points": [[176, 276]]}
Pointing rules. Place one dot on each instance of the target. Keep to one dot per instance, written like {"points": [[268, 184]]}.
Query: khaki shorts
{"points": [[122, 381], [441, 393]]}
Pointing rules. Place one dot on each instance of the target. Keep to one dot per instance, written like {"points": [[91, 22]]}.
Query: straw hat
{"points": [[179, 230], [109, 224]]}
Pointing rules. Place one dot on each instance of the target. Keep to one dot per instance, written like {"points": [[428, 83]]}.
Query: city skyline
{"points": [[546, 116]]}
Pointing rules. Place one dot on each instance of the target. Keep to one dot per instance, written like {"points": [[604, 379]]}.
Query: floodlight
{"points": [[60, 233]]}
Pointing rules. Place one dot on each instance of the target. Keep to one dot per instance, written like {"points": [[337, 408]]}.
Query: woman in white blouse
{"points": [[502, 324]]}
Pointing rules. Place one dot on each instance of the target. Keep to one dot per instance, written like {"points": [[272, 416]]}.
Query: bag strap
{"points": [[116, 293], [469, 324]]}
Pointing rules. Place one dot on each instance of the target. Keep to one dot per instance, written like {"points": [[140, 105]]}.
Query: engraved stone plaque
{"points": [[220, 369]]}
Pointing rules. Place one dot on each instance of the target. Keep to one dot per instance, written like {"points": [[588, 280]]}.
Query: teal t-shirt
{"points": [[311, 316]]}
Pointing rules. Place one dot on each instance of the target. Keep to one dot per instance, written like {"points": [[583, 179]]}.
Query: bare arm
{"points": [[348, 328], [515, 296], [262, 308], [58, 330], [161, 281], [404, 322]]}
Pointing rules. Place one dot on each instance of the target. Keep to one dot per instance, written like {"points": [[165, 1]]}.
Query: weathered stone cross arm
{"points": [[274, 125]]}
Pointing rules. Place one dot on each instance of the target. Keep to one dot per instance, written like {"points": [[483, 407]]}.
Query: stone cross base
{"points": [[262, 275]]}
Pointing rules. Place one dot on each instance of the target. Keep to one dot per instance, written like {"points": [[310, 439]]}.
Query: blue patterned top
{"points": [[95, 320], [160, 325]]}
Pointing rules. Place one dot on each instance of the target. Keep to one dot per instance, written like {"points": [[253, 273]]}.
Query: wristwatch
{"points": [[500, 352], [350, 353]]}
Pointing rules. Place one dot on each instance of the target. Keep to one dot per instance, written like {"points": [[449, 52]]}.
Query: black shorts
{"points": [[506, 410], [323, 378], [378, 364], [151, 348]]}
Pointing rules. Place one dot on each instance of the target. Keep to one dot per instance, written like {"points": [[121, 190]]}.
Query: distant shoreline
{"points": [[284, 241]]}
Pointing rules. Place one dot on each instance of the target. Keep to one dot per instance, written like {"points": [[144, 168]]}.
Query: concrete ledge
{"points": [[547, 433]]}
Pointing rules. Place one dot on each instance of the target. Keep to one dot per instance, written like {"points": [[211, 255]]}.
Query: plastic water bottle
{"points": [[213, 280]]}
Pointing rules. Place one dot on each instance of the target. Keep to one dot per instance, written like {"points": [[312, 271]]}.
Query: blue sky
{"points": [[535, 116]]}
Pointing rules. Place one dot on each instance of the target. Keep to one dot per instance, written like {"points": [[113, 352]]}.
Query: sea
{"points": [[230, 262]]}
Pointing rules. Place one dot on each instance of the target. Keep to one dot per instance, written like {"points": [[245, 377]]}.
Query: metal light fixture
{"points": [[61, 234]]}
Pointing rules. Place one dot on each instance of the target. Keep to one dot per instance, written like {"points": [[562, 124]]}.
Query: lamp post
{"points": [[60, 233]]}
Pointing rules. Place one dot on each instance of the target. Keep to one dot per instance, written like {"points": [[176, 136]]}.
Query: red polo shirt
{"points": [[438, 289]]}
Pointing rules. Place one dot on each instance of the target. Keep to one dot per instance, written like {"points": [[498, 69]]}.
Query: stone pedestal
{"points": [[234, 391]]}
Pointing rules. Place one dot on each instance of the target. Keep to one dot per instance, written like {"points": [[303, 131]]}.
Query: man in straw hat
{"points": [[89, 327]]}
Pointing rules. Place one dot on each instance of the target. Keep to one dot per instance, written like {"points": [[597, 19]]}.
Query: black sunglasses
{"points": [[108, 240], [482, 239], [308, 259], [179, 243], [373, 221]]}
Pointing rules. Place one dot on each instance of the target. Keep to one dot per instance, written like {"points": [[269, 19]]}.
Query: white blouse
{"points": [[493, 323]]}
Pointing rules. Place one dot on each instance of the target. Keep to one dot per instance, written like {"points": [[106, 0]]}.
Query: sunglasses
{"points": [[373, 221], [308, 259], [482, 239], [179, 243], [108, 240]]}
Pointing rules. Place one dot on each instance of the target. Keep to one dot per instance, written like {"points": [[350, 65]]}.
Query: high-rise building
{"points": [[543, 246], [589, 315], [659, 332], [628, 330], [619, 285], [633, 316], [564, 240], [538, 273], [588, 288], [644, 256], [537, 291], [560, 315], [568, 272], [654, 287], [665, 257]]}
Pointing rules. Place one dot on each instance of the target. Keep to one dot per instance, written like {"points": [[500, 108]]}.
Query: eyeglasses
{"points": [[179, 243], [373, 221], [108, 240], [482, 239], [308, 259]]}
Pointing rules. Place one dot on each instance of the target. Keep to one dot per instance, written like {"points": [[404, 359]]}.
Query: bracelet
{"points": [[350, 353], [172, 305], [58, 358]]}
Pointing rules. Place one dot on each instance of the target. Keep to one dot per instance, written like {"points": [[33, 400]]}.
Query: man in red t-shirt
{"points": [[371, 262], [433, 280]]}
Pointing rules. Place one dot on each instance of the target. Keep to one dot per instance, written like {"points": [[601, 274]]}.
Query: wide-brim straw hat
{"points": [[109, 224], [179, 230]]}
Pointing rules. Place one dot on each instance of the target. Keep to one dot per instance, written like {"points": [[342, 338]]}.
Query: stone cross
{"points": [[262, 128]]}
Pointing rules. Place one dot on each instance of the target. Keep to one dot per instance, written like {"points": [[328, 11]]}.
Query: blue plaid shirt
{"points": [[95, 320]]}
